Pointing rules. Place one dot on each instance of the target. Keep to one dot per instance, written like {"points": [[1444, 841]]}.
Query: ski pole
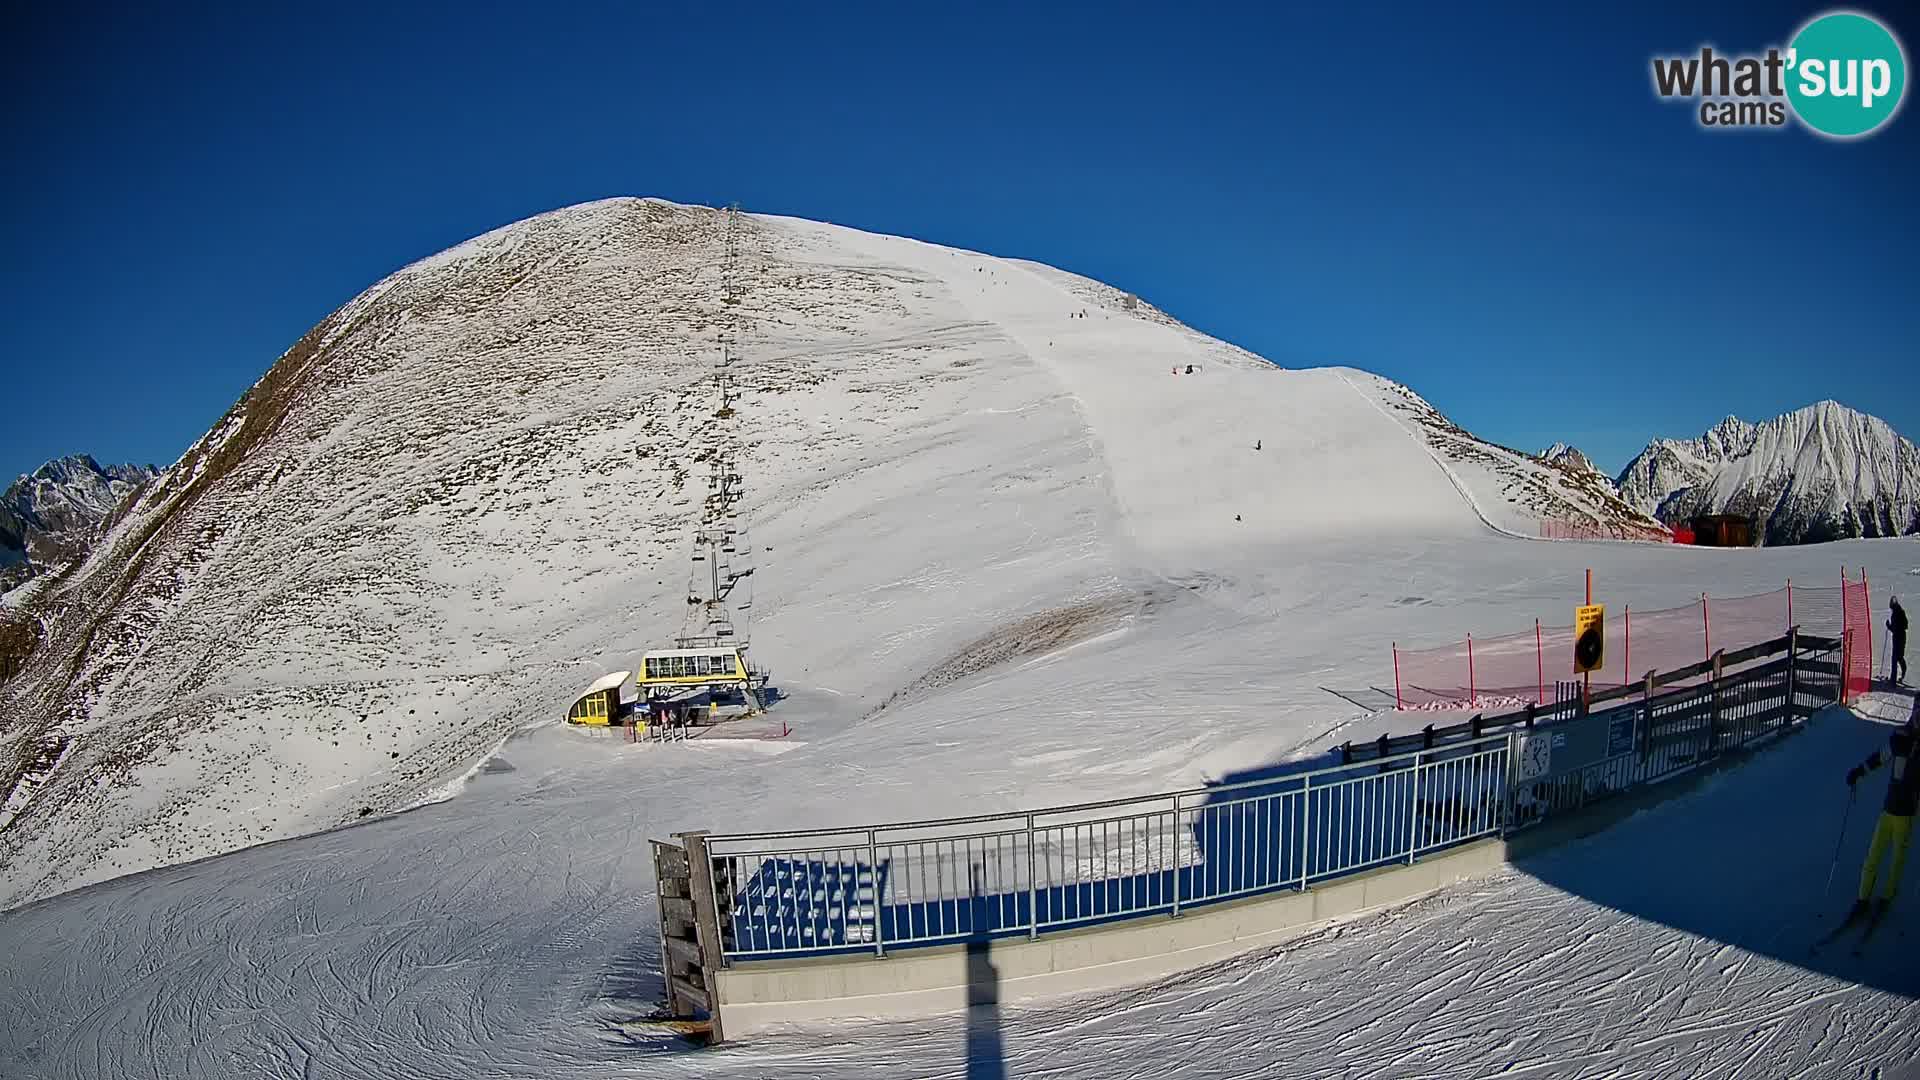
{"points": [[1835, 868]]}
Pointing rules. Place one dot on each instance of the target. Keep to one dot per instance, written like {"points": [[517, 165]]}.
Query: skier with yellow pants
{"points": [[1894, 833]]}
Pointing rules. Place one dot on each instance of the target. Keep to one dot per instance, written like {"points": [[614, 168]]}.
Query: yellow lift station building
{"points": [[600, 704]]}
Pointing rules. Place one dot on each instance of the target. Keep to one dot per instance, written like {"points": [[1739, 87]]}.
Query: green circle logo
{"points": [[1846, 74]]}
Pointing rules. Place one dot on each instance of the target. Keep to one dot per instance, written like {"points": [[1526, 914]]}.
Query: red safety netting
{"points": [[1512, 670], [1856, 663]]}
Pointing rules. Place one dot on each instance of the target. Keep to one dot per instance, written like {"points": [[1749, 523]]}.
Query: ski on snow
{"points": [[1879, 916], [1853, 919]]}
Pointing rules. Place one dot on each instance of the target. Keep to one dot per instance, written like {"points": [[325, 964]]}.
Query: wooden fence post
{"points": [[706, 921]]}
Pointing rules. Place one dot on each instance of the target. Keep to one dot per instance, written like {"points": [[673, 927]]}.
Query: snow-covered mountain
{"points": [[471, 490], [1823, 472], [53, 514], [1526, 490], [1569, 457], [1009, 554]]}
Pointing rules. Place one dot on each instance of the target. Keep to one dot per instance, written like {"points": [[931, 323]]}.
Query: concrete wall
{"points": [[945, 979]]}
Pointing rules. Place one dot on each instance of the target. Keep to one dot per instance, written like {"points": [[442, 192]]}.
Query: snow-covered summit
{"points": [[471, 490], [53, 513], [1569, 456], [1822, 472]]}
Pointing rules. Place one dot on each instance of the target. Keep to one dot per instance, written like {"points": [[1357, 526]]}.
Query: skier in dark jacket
{"points": [[1897, 630], [1895, 830]]}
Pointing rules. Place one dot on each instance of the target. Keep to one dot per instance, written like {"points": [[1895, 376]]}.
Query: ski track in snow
{"points": [[942, 448]]}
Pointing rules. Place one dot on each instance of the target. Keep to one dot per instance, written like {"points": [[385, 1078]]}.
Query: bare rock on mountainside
{"points": [[53, 514], [1824, 472], [1552, 489]]}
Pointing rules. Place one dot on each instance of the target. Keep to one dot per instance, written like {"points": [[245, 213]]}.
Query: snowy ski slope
{"points": [[1000, 568], [506, 933]]}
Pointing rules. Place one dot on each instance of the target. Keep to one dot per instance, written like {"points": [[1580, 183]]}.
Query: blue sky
{"points": [[1491, 207]]}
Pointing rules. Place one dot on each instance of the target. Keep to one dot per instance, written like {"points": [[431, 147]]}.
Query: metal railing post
{"points": [[1846, 653], [1713, 701], [1512, 785], [1793, 661], [873, 868], [1033, 887], [1306, 829], [1413, 812], [1175, 841]]}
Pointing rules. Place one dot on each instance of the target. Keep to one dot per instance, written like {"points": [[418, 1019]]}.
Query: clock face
{"points": [[1536, 756]]}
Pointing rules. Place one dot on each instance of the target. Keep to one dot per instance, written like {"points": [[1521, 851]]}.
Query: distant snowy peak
{"points": [[1568, 457], [1823, 472], [53, 513]]}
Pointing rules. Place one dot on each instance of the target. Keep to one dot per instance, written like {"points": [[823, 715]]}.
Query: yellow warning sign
{"points": [[1590, 637]]}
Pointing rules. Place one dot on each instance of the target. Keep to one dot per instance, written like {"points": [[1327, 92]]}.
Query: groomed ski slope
{"points": [[500, 935], [976, 468]]}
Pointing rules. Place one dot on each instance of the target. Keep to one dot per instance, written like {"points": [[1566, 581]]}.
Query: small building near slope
{"points": [[601, 704], [1722, 530]]}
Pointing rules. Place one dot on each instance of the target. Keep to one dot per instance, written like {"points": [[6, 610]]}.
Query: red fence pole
{"points": [[1789, 603], [1706, 626], [1866, 598], [1473, 693], [1540, 662], [1626, 667], [1397, 703]]}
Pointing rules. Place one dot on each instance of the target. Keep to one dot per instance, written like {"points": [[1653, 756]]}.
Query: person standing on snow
{"points": [[1897, 630], [1895, 831]]}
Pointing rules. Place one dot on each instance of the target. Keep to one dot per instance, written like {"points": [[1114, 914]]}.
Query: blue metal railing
{"points": [[874, 888]]}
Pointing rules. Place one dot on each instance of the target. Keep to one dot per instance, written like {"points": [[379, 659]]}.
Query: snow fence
{"points": [[1515, 669]]}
